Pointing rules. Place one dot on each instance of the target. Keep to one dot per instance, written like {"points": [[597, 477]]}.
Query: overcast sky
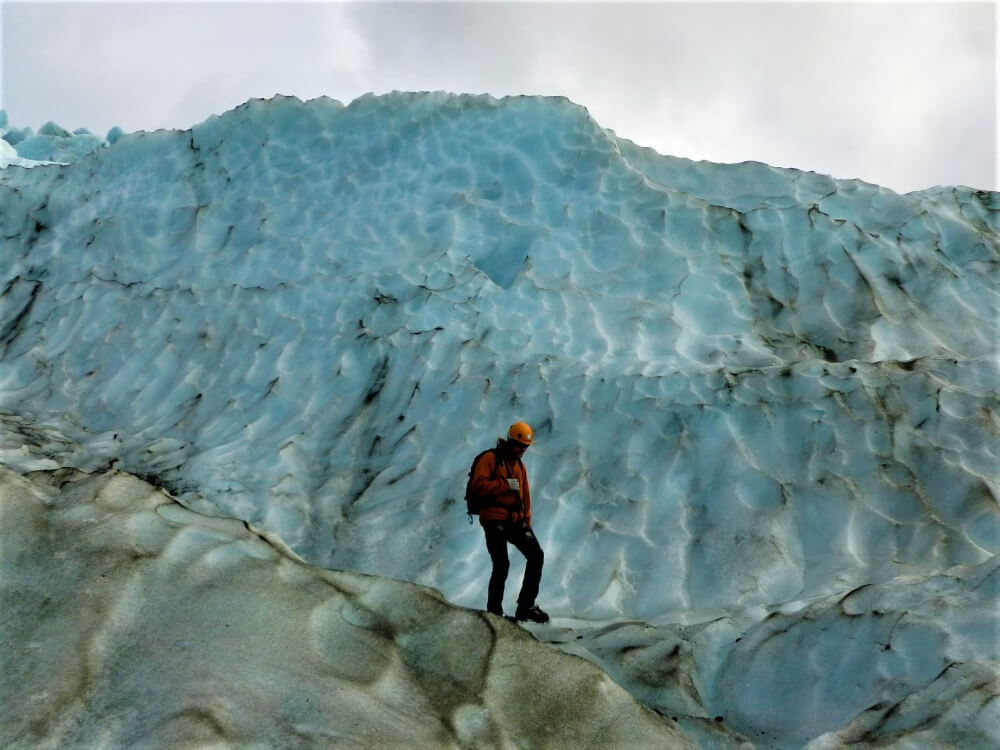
{"points": [[903, 95]]}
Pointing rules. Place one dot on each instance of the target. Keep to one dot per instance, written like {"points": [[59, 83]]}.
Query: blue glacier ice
{"points": [[755, 390]]}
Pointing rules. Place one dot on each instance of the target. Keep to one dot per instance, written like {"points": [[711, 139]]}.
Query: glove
{"points": [[514, 484]]}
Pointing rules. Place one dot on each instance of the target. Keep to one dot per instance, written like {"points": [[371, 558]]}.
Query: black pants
{"points": [[498, 535]]}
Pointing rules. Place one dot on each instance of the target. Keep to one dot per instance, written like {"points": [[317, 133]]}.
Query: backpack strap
{"points": [[496, 461], [517, 462], [520, 497]]}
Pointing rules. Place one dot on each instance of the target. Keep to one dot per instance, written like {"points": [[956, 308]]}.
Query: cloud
{"points": [[150, 65], [899, 94], [855, 90]]}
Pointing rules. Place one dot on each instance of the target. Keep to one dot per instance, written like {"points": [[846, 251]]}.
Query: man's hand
{"points": [[514, 485]]}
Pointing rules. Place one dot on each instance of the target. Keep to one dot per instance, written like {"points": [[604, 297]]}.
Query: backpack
{"points": [[473, 502]]}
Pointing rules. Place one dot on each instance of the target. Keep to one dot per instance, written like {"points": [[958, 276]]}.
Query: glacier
{"points": [[765, 473]]}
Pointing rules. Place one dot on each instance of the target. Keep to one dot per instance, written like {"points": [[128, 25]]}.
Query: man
{"points": [[499, 476]]}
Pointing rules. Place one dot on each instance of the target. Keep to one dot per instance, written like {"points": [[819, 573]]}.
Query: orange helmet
{"points": [[521, 432]]}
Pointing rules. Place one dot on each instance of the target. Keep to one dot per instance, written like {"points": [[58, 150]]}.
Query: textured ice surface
{"points": [[910, 661], [751, 386], [158, 627]]}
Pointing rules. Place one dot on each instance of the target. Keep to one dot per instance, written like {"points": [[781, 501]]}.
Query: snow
{"points": [[754, 390], [9, 156]]}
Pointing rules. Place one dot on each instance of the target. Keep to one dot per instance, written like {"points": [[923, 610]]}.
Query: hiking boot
{"points": [[498, 611], [533, 613]]}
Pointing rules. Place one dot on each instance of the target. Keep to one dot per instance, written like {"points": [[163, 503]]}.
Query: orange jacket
{"points": [[505, 505]]}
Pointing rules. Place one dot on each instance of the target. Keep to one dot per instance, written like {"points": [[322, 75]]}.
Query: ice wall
{"points": [[749, 385]]}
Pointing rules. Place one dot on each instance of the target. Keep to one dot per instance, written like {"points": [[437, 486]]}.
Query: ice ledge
{"points": [[139, 622]]}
